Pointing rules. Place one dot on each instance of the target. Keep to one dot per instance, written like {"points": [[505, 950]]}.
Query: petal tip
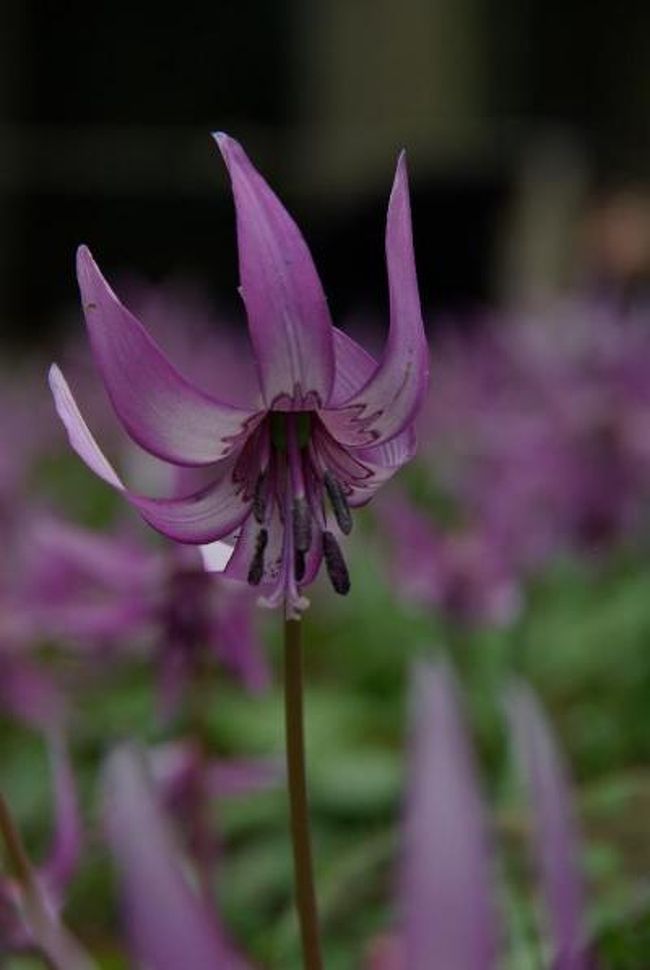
{"points": [[57, 382], [226, 145], [84, 259], [88, 272], [400, 182]]}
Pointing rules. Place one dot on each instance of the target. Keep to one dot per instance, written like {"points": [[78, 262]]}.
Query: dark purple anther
{"points": [[256, 571], [335, 563], [339, 503]]}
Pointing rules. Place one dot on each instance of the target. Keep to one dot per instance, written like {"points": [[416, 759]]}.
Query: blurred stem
{"points": [[202, 845], [16, 852], [59, 948], [299, 809]]}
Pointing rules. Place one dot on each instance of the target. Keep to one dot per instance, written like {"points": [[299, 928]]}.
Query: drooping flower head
{"points": [[324, 428]]}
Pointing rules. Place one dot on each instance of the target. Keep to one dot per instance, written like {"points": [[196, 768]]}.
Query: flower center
{"points": [[299, 488]]}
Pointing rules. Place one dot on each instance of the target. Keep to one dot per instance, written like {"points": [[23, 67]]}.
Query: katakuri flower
{"points": [[324, 428]]}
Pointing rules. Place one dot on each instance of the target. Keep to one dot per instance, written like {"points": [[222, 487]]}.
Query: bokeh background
{"points": [[518, 542]]}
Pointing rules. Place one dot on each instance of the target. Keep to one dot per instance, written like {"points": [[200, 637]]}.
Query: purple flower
{"points": [[325, 426], [447, 910], [189, 782], [169, 925], [449, 917], [115, 593], [539, 431], [464, 573], [556, 839], [448, 905]]}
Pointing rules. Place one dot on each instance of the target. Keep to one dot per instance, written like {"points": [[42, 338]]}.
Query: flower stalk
{"points": [[16, 853], [59, 948], [300, 830]]}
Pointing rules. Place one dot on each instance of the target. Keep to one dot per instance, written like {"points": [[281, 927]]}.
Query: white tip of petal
{"points": [[216, 556], [78, 431]]}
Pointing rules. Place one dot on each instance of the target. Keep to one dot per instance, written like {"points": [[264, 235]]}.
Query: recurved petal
{"points": [[390, 398], [169, 926], [288, 317], [446, 880], [160, 409], [353, 368], [208, 514], [382, 463], [557, 845]]}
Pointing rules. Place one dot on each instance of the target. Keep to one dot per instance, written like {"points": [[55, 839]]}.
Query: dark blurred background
{"points": [[523, 119]]}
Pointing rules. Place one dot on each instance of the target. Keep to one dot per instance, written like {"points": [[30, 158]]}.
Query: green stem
{"points": [[300, 834]]}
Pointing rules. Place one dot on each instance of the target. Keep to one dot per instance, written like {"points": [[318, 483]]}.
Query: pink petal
{"points": [[447, 909], [162, 411], [212, 512], [556, 839], [288, 318], [353, 368], [169, 925], [382, 462], [392, 395]]}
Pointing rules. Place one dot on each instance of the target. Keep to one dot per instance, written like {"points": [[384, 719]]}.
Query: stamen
{"points": [[301, 518], [300, 565], [260, 497], [339, 503], [256, 571], [336, 567]]}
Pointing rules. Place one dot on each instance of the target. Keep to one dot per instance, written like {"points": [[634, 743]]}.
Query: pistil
{"points": [[301, 518]]}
